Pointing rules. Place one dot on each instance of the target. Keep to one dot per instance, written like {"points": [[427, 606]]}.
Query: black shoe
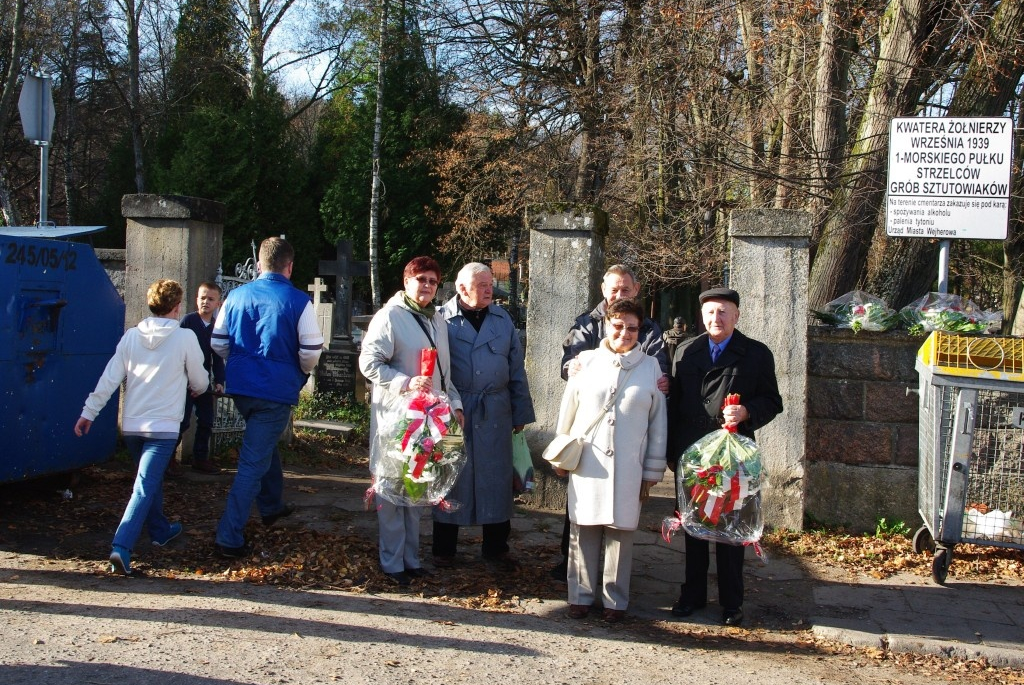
{"points": [[560, 573], [235, 552], [444, 561], [399, 578], [732, 617], [173, 469], [684, 607], [206, 466], [418, 573], [270, 519], [504, 563]]}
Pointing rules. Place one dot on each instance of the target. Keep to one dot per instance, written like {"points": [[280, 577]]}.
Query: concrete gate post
{"points": [[170, 236], [566, 266], [769, 267]]}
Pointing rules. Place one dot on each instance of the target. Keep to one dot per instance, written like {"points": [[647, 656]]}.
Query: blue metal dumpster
{"points": [[60, 323]]}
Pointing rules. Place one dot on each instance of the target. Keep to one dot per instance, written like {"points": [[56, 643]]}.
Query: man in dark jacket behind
{"points": [[586, 333], [705, 369], [200, 322]]}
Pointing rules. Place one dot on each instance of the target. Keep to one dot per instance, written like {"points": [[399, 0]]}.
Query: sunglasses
{"points": [[427, 280], [619, 327]]}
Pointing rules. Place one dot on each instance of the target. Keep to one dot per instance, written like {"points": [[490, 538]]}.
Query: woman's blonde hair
{"points": [[163, 296]]}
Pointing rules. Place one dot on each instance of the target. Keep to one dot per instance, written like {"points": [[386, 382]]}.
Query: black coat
{"points": [[698, 389]]}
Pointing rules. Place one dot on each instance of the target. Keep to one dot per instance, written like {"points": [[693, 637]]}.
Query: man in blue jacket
{"points": [[268, 333]]}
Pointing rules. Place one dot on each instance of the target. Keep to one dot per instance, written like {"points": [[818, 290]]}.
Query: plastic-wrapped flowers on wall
{"points": [[951, 313], [859, 311]]}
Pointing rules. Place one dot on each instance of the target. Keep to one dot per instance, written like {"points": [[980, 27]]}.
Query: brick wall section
{"points": [[858, 410]]}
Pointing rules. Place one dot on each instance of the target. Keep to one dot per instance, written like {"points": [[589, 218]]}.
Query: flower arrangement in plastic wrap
{"points": [[719, 481], [950, 313], [422, 448], [858, 310]]}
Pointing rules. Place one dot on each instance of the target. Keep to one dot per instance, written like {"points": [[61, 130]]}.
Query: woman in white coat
{"points": [[624, 456], [390, 360]]}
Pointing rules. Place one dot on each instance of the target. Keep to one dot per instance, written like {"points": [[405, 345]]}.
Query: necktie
{"points": [[715, 351]]}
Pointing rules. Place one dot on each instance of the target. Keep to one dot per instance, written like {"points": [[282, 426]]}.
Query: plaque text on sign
{"points": [[949, 177], [336, 372]]}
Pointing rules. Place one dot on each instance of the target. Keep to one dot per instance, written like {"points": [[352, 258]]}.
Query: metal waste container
{"points": [[971, 463], [62, 319]]}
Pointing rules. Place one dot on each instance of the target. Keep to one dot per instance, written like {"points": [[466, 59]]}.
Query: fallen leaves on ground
{"points": [[37, 515], [883, 556]]}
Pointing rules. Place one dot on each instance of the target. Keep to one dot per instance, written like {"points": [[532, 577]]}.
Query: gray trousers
{"points": [[398, 536], [585, 546]]}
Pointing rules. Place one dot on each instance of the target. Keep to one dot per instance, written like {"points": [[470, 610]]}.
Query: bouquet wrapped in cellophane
{"points": [[719, 480], [421, 447], [858, 311], [422, 452], [948, 312]]}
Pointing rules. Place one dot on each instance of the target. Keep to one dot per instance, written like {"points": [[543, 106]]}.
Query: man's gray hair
{"points": [[468, 272], [621, 270]]}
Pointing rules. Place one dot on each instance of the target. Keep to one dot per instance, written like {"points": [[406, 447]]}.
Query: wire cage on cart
{"points": [[971, 460]]}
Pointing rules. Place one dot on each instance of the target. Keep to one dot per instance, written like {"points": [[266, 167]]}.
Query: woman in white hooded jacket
{"points": [[157, 360], [623, 457]]}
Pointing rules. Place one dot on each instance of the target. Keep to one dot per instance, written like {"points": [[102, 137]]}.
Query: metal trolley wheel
{"points": [[923, 541], [940, 564]]}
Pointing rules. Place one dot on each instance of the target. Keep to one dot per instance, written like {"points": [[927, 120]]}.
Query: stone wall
{"points": [[113, 263], [862, 428]]}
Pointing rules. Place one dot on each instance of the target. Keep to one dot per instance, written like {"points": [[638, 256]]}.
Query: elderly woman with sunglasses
{"points": [[390, 360], [615, 401]]}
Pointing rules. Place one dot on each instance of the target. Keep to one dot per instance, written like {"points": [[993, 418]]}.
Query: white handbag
{"points": [[564, 451]]}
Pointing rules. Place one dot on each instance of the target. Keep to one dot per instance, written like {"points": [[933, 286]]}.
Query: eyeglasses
{"points": [[619, 327], [428, 281]]}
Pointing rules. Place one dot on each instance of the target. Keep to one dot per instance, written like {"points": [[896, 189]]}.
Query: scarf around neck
{"points": [[427, 311]]}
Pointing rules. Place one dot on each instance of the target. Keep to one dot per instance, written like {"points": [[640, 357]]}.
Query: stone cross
{"points": [[343, 268], [317, 288]]}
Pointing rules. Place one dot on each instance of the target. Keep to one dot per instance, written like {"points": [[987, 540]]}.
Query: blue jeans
{"points": [[146, 505], [259, 476]]}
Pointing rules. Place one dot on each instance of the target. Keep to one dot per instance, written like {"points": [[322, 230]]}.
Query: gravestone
{"points": [[338, 368], [324, 318]]}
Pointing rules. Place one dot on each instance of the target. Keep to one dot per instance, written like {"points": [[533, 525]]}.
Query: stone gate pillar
{"points": [[566, 267], [169, 236], [769, 267]]}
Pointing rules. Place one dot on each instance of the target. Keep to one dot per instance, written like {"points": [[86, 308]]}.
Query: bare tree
{"points": [[16, 30], [904, 268], [913, 33]]}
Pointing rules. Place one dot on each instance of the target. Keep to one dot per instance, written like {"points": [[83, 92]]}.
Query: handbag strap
{"points": [[609, 404], [430, 338]]}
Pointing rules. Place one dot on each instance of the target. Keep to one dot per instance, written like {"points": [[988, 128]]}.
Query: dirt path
{"points": [[64, 624], [187, 618]]}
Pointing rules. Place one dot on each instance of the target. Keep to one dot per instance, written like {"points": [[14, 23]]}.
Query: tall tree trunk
{"points": [[378, 126], [257, 46], [1013, 246], [909, 38], [7, 90], [789, 117], [133, 14], [828, 126], [587, 183], [908, 266], [753, 43]]}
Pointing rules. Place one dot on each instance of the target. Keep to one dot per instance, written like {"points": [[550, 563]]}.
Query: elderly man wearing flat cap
{"points": [[705, 369]]}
